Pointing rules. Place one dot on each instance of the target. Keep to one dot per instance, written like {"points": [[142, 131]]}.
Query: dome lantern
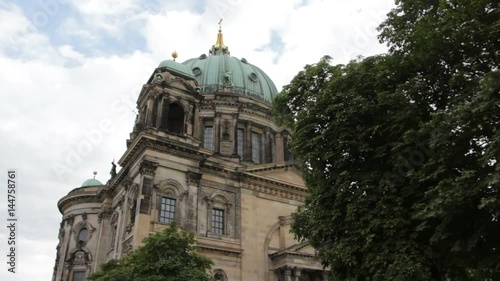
{"points": [[219, 48]]}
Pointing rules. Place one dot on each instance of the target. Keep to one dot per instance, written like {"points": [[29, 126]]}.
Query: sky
{"points": [[71, 71]]}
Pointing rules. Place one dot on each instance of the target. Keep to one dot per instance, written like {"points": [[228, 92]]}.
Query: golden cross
{"points": [[220, 21]]}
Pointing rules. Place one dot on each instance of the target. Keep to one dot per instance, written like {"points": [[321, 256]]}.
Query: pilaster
{"points": [[217, 133], [280, 156], [147, 170], [235, 135], [248, 142]]}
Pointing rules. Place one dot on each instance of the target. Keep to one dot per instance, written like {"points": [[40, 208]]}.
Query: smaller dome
{"points": [[177, 68], [91, 182]]}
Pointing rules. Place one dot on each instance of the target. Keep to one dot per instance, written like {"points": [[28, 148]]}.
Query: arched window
{"points": [[218, 215], [175, 119], [170, 195], [83, 234]]}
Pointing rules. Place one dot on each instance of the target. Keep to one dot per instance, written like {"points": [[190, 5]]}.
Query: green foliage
{"points": [[169, 255], [400, 152]]}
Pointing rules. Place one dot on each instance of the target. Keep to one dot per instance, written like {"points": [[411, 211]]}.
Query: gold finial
{"points": [[174, 54], [219, 48], [220, 43], [95, 173]]}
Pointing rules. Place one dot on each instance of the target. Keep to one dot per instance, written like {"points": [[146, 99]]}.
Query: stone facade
{"points": [[215, 162]]}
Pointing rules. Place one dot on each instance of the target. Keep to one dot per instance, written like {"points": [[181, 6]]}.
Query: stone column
{"points": [[159, 112], [201, 131], [325, 275], [142, 114], [235, 135], [286, 152], [278, 275], [248, 141], [189, 120], [196, 122], [288, 273], [296, 273], [216, 130], [149, 111], [268, 151]]}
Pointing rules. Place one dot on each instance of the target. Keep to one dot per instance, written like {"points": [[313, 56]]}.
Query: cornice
{"points": [[146, 141], [256, 178], [274, 191], [273, 166], [220, 250], [287, 254], [258, 183], [88, 197]]}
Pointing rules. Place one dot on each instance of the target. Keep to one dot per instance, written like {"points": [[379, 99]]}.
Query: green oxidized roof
{"points": [[220, 70], [91, 182], [216, 71], [177, 68]]}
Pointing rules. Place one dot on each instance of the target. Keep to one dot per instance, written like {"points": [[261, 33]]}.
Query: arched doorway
{"points": [[175, 119]]}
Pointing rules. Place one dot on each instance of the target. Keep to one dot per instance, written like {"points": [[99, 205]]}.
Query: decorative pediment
{"points": [[299, 247], [284, 251], [281, 173], [79, 256]]}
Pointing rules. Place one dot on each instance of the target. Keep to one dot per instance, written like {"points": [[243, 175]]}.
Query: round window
{"points": [[252, 76], [196, 71]]}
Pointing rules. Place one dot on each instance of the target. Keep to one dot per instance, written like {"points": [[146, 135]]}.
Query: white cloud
{"points": [[109, 7], [70, 27], [19, 35], [109, 16], [68, 52], [35, 259]]}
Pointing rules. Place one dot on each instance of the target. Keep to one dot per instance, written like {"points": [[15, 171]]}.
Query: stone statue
{"points": [[113, 169]]}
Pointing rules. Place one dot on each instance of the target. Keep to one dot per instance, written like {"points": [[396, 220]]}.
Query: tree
{"points": [[400, 151], [169, 255]]}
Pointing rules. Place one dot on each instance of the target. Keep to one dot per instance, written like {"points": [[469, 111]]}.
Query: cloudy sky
{"points": [[70, 72]]}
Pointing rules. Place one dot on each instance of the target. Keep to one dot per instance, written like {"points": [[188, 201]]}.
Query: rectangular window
{"points": [[167, 210], [78, 275], [240, 142], [256, 148], [208, 138], [218, 221]]}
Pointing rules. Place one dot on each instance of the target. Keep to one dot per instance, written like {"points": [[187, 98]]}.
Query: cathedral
{"points": [[204, 152]]}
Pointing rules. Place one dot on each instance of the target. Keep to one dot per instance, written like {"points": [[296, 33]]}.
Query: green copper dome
{"points": [[177, 68], [219, 71], [91, 182], [215, 72]]}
